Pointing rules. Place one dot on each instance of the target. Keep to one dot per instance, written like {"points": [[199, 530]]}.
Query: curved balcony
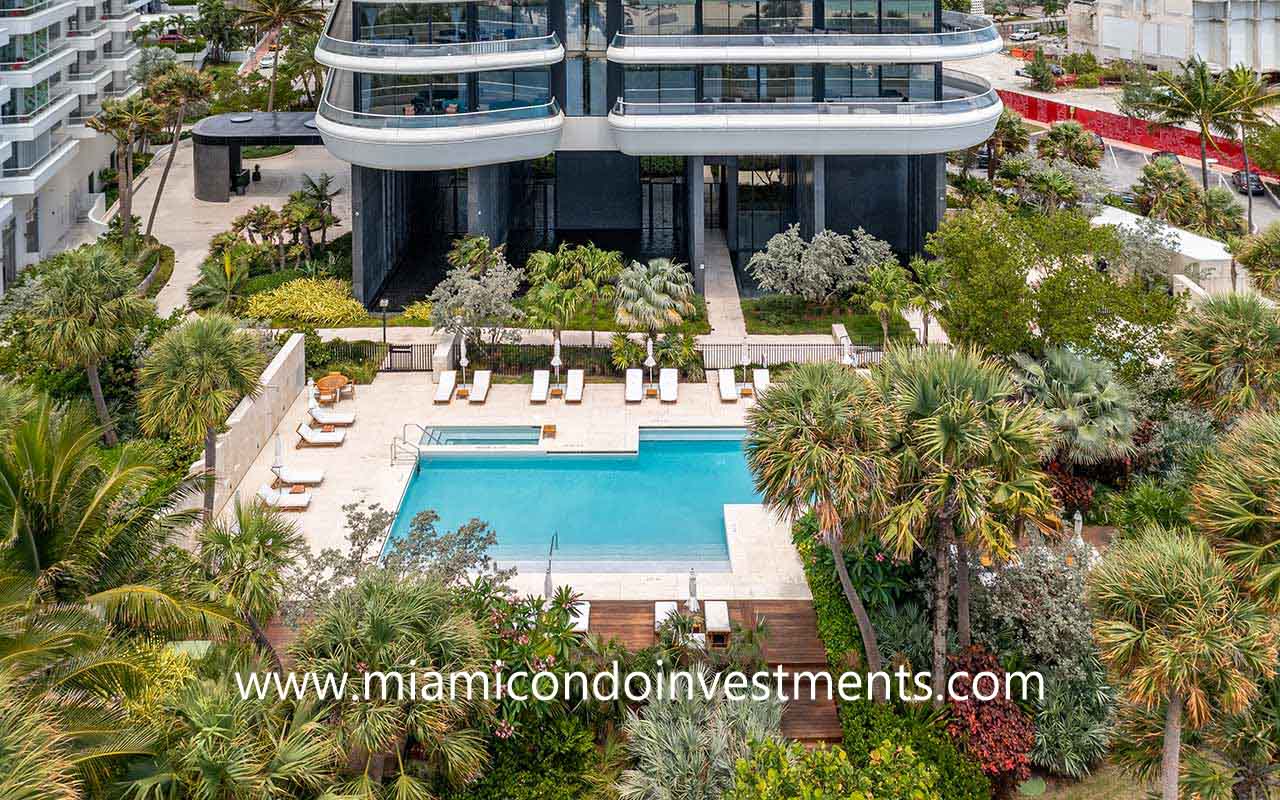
{"points": [[438, 141], [962, 36], [861, 127]]}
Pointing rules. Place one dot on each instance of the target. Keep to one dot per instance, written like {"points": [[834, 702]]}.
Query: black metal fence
{"points": [[770, 354], [384, 357], [522, 359]]}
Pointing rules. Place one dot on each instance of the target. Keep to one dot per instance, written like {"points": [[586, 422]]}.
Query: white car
{"points": [[268, 61], [1024, 35]]}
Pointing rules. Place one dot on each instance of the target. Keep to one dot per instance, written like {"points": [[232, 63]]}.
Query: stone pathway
{"points": [[724, 308]]}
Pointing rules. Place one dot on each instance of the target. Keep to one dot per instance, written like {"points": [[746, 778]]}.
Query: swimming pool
{"points": [[464, 435], [658, 508]]}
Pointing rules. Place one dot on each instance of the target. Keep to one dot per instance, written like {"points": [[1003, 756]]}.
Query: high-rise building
{"points": [[659, 128], [59, 59]]}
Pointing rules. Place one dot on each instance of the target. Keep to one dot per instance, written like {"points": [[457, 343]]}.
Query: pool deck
{"points": [[764, 565]]}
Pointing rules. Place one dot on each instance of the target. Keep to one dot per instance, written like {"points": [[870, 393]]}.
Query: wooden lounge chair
{"points": [[282, 500], [445, 385], [541, 385], [760, 380], [728, 386], [480, 386], [635, 385], [292, 476], [573, 387], [668, 385], [327, 416], [718, 627], [310, 437]]}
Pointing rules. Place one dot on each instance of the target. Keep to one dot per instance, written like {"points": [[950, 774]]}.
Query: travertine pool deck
{"points": [[763, 563]]}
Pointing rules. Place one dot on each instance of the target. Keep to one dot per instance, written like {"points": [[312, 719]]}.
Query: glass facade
{"points": [[780, 17], [448, 23], [659, 17], [779, 83], [452, 93]]}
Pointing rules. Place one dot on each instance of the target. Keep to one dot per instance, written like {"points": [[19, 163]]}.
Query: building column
{"points": [[488, 196], [730, 190], [819, 194], [693, 169], [212, 172]]}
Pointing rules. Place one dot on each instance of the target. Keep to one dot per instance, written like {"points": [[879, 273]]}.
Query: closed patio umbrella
{"points": [[462, 358], [277, 463], [847, 357], [649, 361], [745, 361], [692, 602], [555, 357], [547, 588]]}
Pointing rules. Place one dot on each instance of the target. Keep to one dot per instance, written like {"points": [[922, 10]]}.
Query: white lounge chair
{"points": [[668, 385], [282, 500], [581, 614], [663, 609], [728, 386], [327, 416], [760, 380], [573, 386], [541, 384], [480, 386], [310, 437], [635, 385], [717, 619], [293, 476], [445, 384]]}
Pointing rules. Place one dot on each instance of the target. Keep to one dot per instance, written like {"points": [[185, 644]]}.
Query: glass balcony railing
{"points": [[432, 40], [90, 72], [116, 55], [27, 117], [27, 9], [957, 29], [391, 47], [86, 29], [57, 145], [433, 121], [11, 66]]}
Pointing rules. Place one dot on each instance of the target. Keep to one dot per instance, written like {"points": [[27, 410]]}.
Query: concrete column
{"points": [[819, 193], [213, 172], [730, 189], [696, 224], [488, 198]]}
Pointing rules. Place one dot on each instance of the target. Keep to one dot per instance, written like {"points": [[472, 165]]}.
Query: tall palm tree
{"points": [[175, 93], [1260, 255], [1226, 353], [931, 289], [817, 441], [1221, 216], [1196, 96], [34, 760], [273, 15], [1070, 141], [553, 305], [968, 458], [887, 293], [246, 558], [192, 379], [87, 310], [1165, 192], [1091, 411], [655, 296], [128, 122], [1177, 635], [1252, 98], [1052, 189], [1011, 137], [320, 192]]}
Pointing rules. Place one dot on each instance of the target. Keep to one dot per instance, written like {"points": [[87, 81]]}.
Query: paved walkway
{"points": [[724, 308]]}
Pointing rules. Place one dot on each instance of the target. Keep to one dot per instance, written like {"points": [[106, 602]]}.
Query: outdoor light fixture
{"points": [[382, 304]]}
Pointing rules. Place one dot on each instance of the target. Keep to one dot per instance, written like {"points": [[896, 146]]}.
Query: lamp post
{"points": [[382, 304]]}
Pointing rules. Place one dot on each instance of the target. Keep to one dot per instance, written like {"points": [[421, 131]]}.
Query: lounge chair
{"points": [[760, 380], [581, 614], [445, 385], [668, 384], [310, 437], [283, 500], [541, 384], [480, 386], [728, 386], [663, 609], [291, 476], [635, 385], [327, 416], [573, 386], [718, 627]]}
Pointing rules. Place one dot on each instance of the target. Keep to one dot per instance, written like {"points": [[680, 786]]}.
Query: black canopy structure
{"points": [[218, 140]]}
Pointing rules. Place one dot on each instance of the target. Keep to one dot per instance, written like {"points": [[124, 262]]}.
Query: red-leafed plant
{"points": [[995, 733], [1073, 492]]}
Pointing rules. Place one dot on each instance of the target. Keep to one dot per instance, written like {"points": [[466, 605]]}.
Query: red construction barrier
{"points": [[1125, 129]]}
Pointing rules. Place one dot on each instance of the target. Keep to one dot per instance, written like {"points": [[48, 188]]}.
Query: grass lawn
{"points": [[265, 150], [1106, 783], [792, 315]]}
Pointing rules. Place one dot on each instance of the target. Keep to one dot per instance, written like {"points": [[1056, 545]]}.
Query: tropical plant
{"points": [[887, 293], [1252, 98], [320, 193], [219, 25], [680, 351], [1165, 192], [625, 352], [774, 771], [996, 732], [1010, 137], [1072, 142], [477, 293], [1226, 352], [1091, 411], [222, 286], [828, 269], [1040, 74], [654, 296], [192, 379], [930, 282], [552, 305], [127, 122], [1051, 189], [597, 273], [87, 310], [1260, 255], [34, 760], [1073, 722], [270, 16], [693, 742], [1221, 216], [308, 301], [1177, 636], [175, 93], [818, 440], [1235, 757]]}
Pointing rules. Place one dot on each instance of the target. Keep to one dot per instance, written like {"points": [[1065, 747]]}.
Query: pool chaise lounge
{"points": [[760, 380], [581, 615], [480, 386], [445, 385], [327, 416], [282, 500], [728, 386], [310, 437], [635, 385], [293, 476], [541, 385], [716, 614], [668, 385], [573, 387]]}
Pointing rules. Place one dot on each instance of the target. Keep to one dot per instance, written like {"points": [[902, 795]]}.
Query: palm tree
{"points": [[1236, 503], [887, 293], [1176, 634], [320, 193], [175, 93], [1252, 99], [1198, 97], [1011, 137], [126, 121], [968, 459], [817, 440], [34, 758], [87, 311], [1053, 189], [221, 286], [553, 305], [654, 296], [597, 273], [1226, 353], [930, 290], [1070, 141], [1165, 192], [246, 559], [273, 15], [1260, 255], [1091, 411], [1221, 216], [192, 378]]}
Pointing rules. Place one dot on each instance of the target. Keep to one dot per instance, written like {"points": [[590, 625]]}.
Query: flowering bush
{"points": [[996, 733], [308, 301]]}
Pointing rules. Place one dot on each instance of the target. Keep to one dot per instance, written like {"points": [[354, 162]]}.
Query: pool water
{"points": [[662, 506], [451, 435]]}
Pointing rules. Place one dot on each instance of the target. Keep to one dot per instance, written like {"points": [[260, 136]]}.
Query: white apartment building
{"points": [[1161, 33], [59, 60]]}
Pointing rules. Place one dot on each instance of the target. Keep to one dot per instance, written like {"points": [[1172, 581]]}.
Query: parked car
{"points": [[1247, 183], [268, 61], [1057, 71], [1024, 35]]}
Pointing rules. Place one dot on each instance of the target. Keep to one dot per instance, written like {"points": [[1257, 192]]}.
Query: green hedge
{"points": [[269, 281], [866, 725]]}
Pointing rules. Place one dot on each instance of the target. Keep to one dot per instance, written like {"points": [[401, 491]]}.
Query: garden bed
{"points": [[257, 151], [788, 314]]}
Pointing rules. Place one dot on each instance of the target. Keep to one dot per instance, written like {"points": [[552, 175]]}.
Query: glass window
{"points": [[519, 88], [750, 83], [658, 17], [851, 16], [32, 233], [412, 94], [522, 19], [786, 83], [596, 18], [851, 81], [586, 87], [651, 83]]}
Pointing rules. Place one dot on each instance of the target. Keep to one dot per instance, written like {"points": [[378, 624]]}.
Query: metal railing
{"points": [[56, 148], [118, 54], [55, 48], [957, 29], [93, 73], [87, 29], [28, 116], [383, 49], [727, 355], [27, 10], [427, 121]]}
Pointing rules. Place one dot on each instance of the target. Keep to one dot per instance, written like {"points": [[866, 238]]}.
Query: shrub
{"points": [[680, 351], [1073, 723], [1149, 502], [308, 301], [625, 352], [417, 311], [551, 761], [272, 280], [778, 772], [995, 732]]}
